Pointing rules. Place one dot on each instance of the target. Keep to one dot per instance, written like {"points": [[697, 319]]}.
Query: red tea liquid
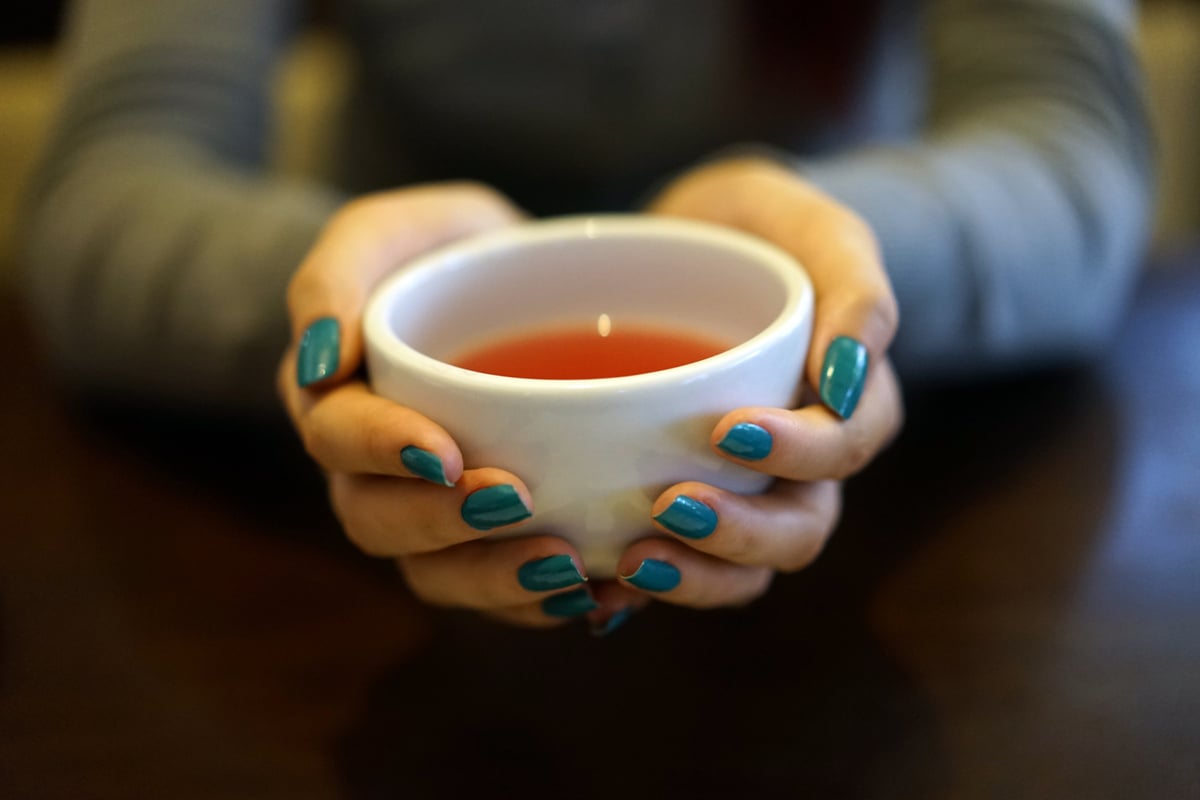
{"points": [[590, 351]]}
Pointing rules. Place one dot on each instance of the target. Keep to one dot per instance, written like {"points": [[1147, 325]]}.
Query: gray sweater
{"points": [[998, 148]]}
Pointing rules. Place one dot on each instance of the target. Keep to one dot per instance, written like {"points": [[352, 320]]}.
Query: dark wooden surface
{"points": [[1010, 609]]}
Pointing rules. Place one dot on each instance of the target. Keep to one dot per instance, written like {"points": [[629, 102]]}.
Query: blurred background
{"points": [[1008, 610], [311, 78]]}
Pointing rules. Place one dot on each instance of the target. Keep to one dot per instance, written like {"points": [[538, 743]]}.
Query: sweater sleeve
{"points": [[157, 247], [1013, 226]]}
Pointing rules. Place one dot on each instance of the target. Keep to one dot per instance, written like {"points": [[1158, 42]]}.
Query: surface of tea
{"points": [[603, 350]]}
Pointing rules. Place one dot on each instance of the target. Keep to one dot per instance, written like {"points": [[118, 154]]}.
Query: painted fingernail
{"points": [[318, 355], [494, 506], [843, 374], [747, 441], [688, 517], [544, 574], [612, 623], [654, 576], [424, 464], [570, 604]]}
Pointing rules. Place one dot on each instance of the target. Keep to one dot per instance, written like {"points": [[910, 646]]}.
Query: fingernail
{"points": [[544, 574], [424, 464], [570, 604], [843, 374], [612, 623], [317, 356], [654, 576], [494, 506], [688, 518], [747, 441]]}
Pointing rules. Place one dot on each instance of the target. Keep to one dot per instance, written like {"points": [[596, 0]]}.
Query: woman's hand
{"points": [[396, 479], [722, 548]]}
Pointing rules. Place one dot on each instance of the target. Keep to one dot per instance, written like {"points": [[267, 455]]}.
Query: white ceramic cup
{"points": [[595, 453]]}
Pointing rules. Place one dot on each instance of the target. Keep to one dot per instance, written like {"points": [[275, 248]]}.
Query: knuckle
{"points": [[741, 546], [810, 543], [316, 441], [305, 285], [858, 452], [883, 316], [875, 310], [419, 583], [804, 554], [378, 444]]}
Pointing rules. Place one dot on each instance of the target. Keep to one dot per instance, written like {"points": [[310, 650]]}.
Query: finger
{"points": [[855, 313], [494, 573], [605, 607], [575, 604], [675, 573], [784, 528], [362, 244], [855, 316], [350, 429], [812, 443], [395, 517]]}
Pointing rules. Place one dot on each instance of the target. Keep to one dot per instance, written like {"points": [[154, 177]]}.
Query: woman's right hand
{"points": [[396, 479]]}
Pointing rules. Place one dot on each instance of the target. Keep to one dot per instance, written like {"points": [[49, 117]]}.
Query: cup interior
{"points": [[666, 273]]}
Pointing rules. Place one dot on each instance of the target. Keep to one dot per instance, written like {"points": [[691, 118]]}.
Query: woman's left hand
{"points": [[720, 548]]}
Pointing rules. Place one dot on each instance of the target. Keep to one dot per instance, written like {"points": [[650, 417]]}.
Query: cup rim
{"points": [[379, 336]]}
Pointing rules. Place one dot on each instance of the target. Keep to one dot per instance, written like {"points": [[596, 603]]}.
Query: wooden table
{"points": [[1011, 609]]}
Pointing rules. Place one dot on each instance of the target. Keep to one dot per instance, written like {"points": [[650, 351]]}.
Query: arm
{"points": [[1012, 228], [157, 249]]}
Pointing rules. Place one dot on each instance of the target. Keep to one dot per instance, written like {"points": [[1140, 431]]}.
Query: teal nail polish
{"points": [[843, 374], [747, 441], [424, 464], [544, 574], [654, 576], [493, 506], [569, 604], [318, 354], [612, 623], [688, 518]]}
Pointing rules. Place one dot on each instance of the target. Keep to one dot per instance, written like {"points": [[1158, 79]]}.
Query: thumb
{"points": [[360, 246]]}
